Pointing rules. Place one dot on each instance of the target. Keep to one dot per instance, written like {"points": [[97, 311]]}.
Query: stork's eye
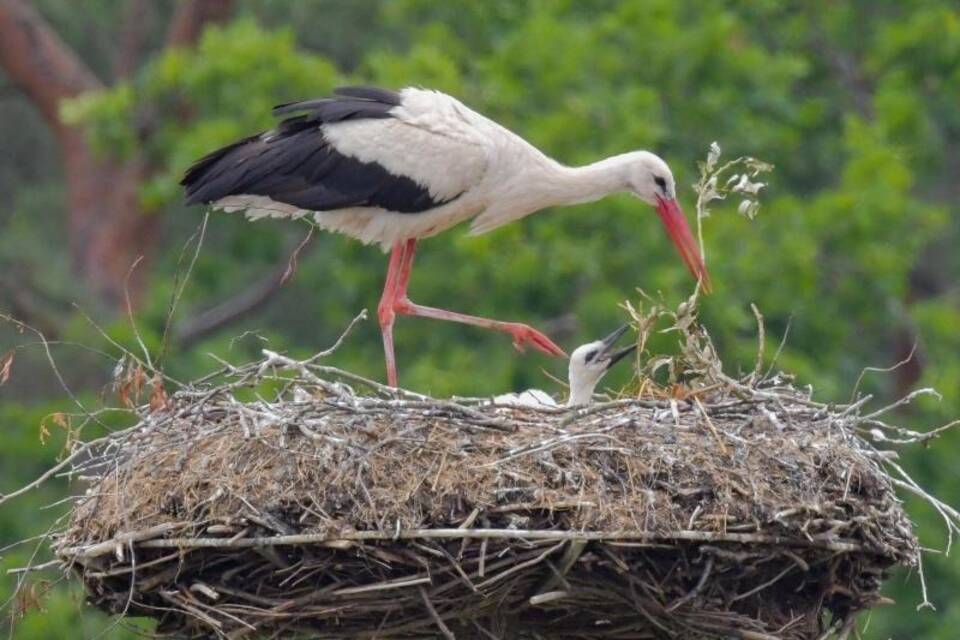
{"points": [[590, 355], [661, 182]]}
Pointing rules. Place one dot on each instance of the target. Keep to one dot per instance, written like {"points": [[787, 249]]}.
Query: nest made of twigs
{"points": [[730, 512]]}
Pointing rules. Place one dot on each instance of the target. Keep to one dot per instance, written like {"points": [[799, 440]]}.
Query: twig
{"points": [[37, 567], [761, 343], [891, 368], [444, 629], [129, 309], [53, 367], [926, 604], [713, 429], [783, 342], [521, 566], [122, 349], [343, 336], [292, 260], [180, 284], [119, 540], [907, 399], [830, 630], [827, 542], [380, 586], [52, 471], [690, 595], [239, 304], [761, 587]]}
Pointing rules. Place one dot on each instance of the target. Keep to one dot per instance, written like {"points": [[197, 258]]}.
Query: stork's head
{"points": [[589, 363], [650, 179]]}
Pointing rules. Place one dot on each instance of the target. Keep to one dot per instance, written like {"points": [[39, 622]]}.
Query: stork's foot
{"points": [[525, 335]]}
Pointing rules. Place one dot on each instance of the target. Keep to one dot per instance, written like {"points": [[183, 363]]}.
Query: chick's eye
{"points": [[590, 356], [661, 182]]}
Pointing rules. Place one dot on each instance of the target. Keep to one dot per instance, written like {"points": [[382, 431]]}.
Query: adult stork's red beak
{"points": [[679, 231]]}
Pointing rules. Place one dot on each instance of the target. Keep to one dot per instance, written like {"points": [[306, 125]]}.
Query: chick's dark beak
{"points": [[620, 355], [608, 343], [613, 337]]}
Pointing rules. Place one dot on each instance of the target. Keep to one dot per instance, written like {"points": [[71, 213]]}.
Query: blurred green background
{"points": [[856, 103]]}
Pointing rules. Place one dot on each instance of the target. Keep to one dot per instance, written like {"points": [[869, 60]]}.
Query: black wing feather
{"points": [[296, 165], [370, 93], [355, 103]]}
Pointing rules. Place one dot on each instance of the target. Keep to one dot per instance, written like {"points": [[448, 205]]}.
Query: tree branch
{"points": [[191, 16], [22, 303], [238, 306], [131, 39], [846, 69], [107, 229], [39, 62]]}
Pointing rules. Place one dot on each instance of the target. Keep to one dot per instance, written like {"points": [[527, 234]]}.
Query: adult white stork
{"points": [[588, 364], [392, 167]]}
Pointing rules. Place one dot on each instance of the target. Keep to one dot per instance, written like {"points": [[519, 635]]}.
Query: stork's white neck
{"points": [[582, 384], [575, 185], [580, 394]]}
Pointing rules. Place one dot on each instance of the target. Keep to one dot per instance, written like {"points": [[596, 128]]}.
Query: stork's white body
{"points": [[479, 168], [390, 168], [532, 398]]}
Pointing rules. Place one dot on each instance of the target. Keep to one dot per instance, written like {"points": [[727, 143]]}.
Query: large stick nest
{"points": [[723, 509]]}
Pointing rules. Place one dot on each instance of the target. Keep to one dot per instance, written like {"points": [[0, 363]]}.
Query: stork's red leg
{"points": [[386, 309], [522, 334]]}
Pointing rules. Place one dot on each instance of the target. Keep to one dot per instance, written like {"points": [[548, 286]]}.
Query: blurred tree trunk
{"points": [[107, 229]]}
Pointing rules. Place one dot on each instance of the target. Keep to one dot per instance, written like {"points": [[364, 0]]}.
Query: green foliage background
{"points": [[855, 103]]}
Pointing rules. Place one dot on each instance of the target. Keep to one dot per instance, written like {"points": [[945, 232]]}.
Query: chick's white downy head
{"points": [[591, 361], [588, 364]]}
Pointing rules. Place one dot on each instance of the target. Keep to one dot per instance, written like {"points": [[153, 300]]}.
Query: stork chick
{"points": [[588, 364]]}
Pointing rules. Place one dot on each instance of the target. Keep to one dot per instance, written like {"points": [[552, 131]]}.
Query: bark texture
{"points": [[107, 228]]}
